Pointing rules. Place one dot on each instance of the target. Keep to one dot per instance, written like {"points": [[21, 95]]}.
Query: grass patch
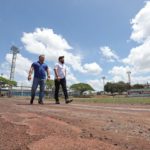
{"points": [[115, 100]]}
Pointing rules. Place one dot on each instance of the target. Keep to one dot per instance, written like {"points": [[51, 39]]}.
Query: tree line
{"points": [[120, 87], [6, 82], [110, 87]]}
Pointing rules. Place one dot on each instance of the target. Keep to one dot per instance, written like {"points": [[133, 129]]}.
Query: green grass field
{"points": [[109, 100], [115, 100]]}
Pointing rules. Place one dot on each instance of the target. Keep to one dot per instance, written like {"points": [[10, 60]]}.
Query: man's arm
{"points": [[65, 72], [48, 74], [56, 74], [30, 73]]}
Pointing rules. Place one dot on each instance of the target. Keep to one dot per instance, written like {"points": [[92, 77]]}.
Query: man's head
{"points": [[61, 59], [42, 58]]}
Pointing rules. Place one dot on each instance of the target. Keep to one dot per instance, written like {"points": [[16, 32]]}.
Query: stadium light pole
{"points": [[129, 77], [15, 50], [103, 78]]}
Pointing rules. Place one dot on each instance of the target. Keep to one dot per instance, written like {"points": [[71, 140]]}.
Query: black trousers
{"points": [[61, 82]]}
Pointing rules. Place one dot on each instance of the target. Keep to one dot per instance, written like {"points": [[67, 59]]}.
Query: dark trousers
{"points": [[61, 82]]}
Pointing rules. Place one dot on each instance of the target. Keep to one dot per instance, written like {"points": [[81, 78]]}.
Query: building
{"points": [[139, 92]]}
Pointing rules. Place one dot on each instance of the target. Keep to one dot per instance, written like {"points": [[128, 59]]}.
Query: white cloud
{"points": [[22, 64], [119, 73], [139, 56], [93, 68], [5, 69], [141, 24], [108, 54], [140, 79], [96, 84], [21, 71], [138, 59], [71, 79], [45, 41]]}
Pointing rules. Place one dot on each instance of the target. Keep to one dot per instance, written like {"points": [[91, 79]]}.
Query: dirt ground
{"points": [[77, 126]]}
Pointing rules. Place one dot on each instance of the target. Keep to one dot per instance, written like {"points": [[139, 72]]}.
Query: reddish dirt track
{"points": [[77, 126]]}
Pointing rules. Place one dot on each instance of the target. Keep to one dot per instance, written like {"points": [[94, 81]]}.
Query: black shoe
{"points": [[41, 102], [69, 101], [57, 102], [31, 101]]}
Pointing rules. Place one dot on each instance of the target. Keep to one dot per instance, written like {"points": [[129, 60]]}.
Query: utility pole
{"points": [[14, 51], [103, 78]]}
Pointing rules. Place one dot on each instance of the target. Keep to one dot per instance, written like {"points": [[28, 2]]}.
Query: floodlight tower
{"points": [[15, 51], [103, 78], [129, 76]]}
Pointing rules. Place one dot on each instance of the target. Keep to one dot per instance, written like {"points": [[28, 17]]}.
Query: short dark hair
{"points": [[60, 57], [42, 55]]}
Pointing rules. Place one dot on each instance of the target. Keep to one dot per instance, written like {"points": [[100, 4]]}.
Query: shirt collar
{"points": [[39, 62]]}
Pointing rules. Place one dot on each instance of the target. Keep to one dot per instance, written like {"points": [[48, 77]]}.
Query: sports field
{"points": [[85, 124], [116, 100]]}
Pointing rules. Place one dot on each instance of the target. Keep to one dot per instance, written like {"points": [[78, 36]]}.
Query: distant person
{"points": [[60, 79], [40, 69]]}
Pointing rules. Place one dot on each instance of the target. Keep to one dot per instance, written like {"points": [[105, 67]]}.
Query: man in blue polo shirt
{"points": [[40, 69]]}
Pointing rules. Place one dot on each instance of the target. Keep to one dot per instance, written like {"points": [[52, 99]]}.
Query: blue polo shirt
{"points": [[39, 70]]}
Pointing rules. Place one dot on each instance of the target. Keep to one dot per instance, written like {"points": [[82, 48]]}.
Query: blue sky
{"points": [[86, 25]]}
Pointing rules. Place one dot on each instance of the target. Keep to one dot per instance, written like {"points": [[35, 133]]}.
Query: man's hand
{"points": [[30, 73], [29, 77], [56, 74], [48, 77], [48, 74], [58, 78]]}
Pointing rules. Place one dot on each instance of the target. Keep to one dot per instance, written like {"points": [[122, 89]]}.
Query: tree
{"points": [[122, 87], [49, 84], [110, 87], [137, 86], [81, 87], [6, 82], [49, 87], [118, 87]]}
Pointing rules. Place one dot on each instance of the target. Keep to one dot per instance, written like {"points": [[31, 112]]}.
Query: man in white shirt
{"points": [[60, 79]]}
